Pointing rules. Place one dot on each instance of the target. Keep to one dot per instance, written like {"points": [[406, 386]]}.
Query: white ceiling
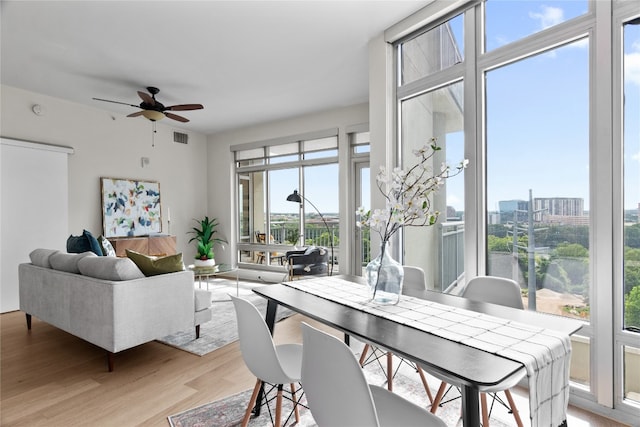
{"points": [[247, 62]]}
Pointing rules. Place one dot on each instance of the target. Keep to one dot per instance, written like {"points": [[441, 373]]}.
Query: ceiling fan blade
{"points": [[146, 98], [185, 107], [176, 117], [136, 114], [117, 102]]}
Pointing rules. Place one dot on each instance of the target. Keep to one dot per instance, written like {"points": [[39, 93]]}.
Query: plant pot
{"points": [[204, 262]]}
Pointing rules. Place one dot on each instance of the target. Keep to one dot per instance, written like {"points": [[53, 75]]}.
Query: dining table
{"points": [[471, 367]]}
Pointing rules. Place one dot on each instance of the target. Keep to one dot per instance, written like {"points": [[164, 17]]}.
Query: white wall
{"points": [[111, 145], [222, 179]]}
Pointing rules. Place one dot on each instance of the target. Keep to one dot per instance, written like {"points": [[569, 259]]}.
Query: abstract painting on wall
{"points": [[130, 207]]}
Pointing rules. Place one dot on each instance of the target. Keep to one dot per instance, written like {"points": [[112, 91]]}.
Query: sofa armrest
{"points": [[151, 308]]}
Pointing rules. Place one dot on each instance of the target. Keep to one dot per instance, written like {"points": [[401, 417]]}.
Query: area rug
{"points": [[222, 329], [228, 412]]}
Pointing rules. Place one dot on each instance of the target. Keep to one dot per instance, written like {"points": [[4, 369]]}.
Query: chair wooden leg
{"points": [[389, 371], [438, 398], [363, 356], [278, 420], [514, 410], [296, 412], [485, 412], [425, 383], [252, 402]]}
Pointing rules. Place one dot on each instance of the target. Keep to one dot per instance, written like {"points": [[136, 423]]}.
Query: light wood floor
{"points": [[51, 378]]}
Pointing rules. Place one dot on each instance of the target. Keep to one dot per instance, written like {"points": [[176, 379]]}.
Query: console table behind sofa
{"points": [[148, 245]]}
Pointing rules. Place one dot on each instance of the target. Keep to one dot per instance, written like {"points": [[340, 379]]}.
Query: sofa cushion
{"points": [[68, 262], [85, 242], [152, 266], [109, 268], [40, 257], [106, 246]]}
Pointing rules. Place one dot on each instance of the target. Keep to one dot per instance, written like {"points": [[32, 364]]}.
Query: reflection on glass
{"points": [[631, 368], [243, 209], [580, 369], [433, 51], [538, 180], [631, 135], [631, 141], [438, 249], [364, 233]]}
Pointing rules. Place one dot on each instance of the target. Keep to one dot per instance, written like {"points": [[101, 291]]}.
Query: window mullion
{"points": [[601, 162]]}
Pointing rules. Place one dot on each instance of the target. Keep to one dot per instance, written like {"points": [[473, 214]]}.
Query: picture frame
{"points": [[130, 207]]}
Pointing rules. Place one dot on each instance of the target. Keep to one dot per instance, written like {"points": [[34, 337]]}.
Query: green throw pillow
{"points": [[152, 266]]}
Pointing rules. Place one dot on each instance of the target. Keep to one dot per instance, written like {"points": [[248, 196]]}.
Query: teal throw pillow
{"points": [[84, 243]]}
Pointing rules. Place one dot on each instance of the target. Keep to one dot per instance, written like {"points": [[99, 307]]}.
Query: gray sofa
{"points": [[107, 301]]}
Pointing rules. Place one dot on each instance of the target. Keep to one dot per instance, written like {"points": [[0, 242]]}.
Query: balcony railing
{"points": [[285, 232], [451, 254]]}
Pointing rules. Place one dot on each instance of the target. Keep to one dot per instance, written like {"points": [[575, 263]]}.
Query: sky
{"points": [[537, 113], [321, 183], [537, 109]]}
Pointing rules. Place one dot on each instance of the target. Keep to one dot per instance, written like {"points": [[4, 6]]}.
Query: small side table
{"points": [[204, 273]]}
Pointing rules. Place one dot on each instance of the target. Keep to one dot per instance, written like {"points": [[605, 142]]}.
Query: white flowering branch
{"points": [[408, 194]]}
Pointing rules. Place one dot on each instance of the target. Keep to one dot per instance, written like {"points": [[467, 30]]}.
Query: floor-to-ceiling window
{"points": [[360, 190], [431, 106], [539, 122], [537, 191], [267, 173], [629, 295]]}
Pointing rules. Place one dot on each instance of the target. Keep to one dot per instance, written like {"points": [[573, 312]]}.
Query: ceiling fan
{"points": [[154, 110]]}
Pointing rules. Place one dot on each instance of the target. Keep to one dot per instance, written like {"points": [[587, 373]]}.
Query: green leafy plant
{"points": [[204, 237]]}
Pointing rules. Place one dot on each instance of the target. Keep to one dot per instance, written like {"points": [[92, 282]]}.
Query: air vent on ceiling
{"points": [[182, 138]]}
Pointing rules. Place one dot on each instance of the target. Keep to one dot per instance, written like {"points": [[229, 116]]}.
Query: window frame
{"points": [[602, 24], [265, 164]]}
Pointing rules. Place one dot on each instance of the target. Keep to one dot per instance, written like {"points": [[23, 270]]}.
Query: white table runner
{"points": [[546, 354]]}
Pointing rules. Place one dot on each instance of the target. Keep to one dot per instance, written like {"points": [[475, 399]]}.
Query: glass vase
{"points": [[385, 276]]}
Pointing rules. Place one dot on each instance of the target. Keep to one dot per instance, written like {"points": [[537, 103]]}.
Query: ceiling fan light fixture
{"points": [[153, 110], [153, 115]]}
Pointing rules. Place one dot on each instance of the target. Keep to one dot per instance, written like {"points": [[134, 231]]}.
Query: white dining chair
{"points": [[338, 393], [272, 364], [495, 290]]}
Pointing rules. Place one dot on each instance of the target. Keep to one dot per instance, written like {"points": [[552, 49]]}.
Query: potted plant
{"points": [[205, 256]]}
